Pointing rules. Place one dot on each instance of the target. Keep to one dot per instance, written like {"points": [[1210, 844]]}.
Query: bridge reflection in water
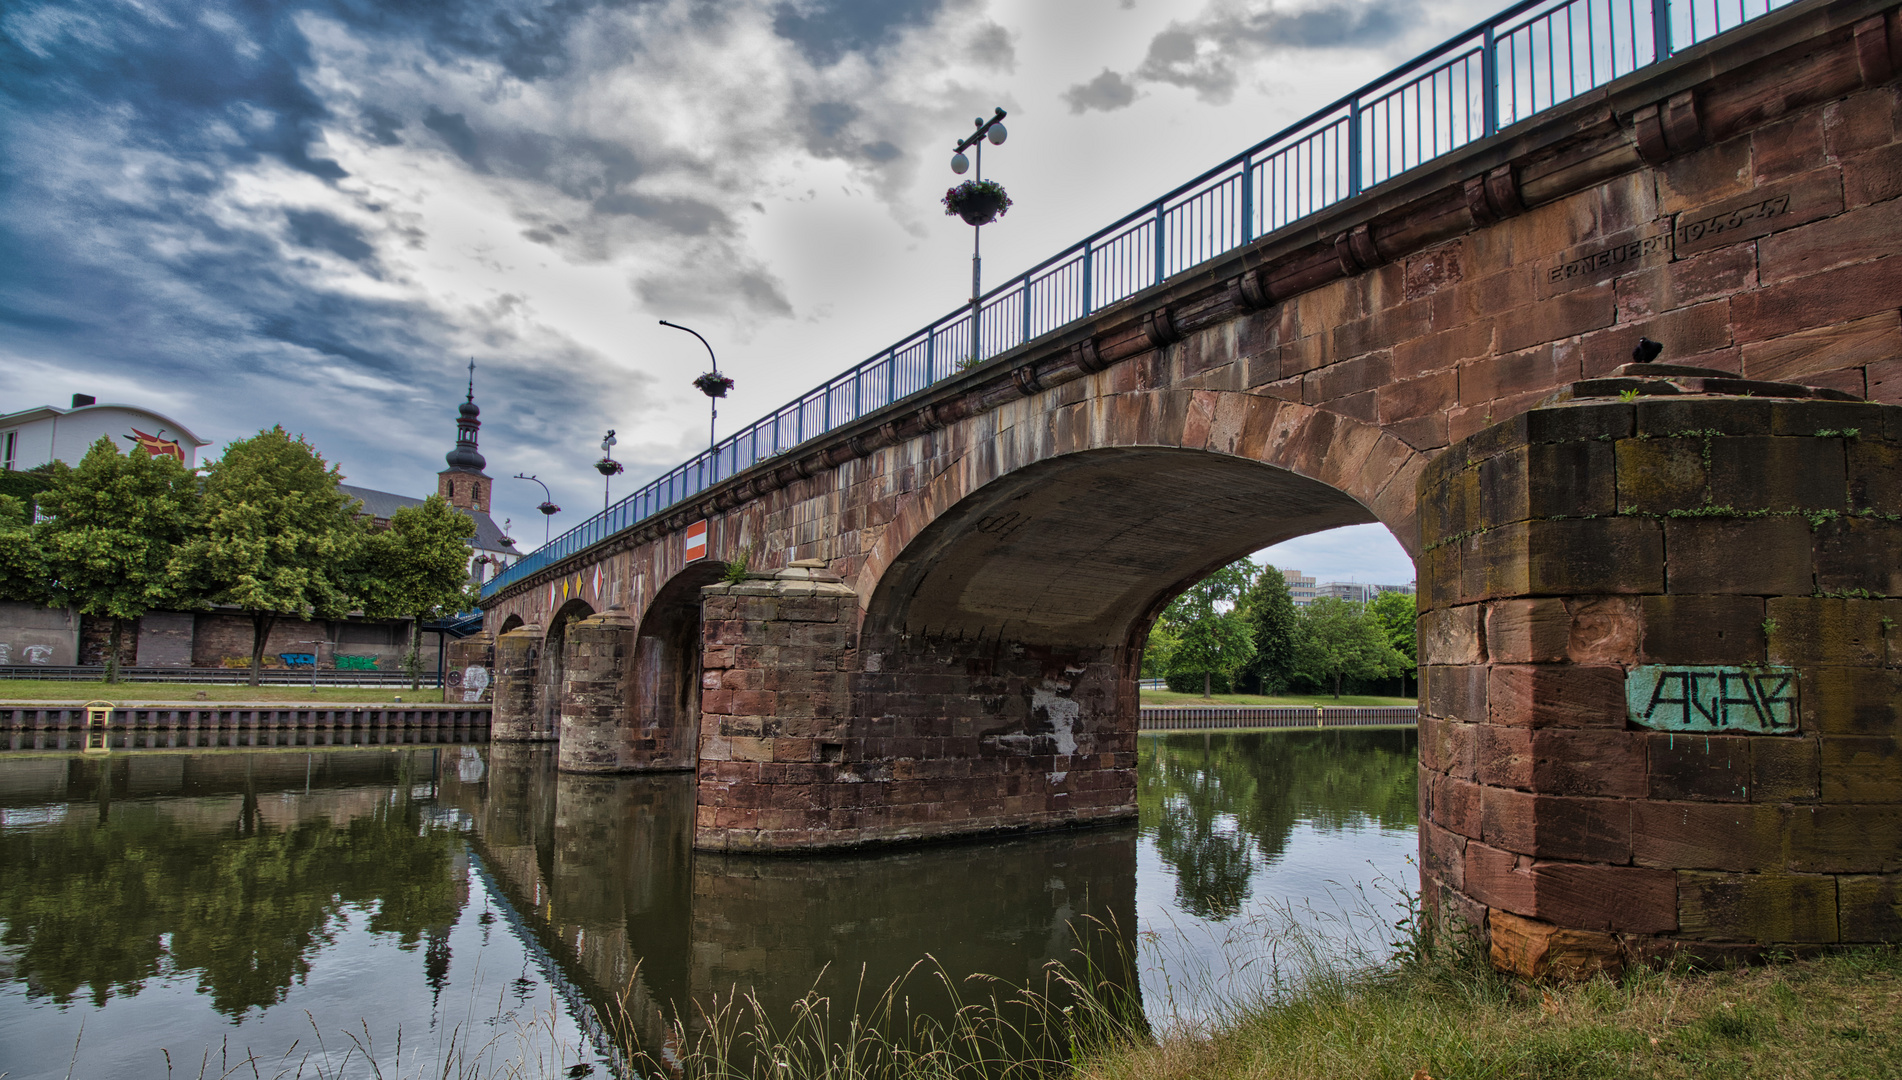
{"points": [[601, 870]]}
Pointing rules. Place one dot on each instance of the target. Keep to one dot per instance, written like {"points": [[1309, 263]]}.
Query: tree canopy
{"points": [[1340, 639], [417, 567], [1398, 614], [109, 531], [1212, 637], [1269, 608], [280, 537]]}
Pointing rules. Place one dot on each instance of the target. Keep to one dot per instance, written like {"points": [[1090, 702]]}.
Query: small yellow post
{"points": [[99, 727]]}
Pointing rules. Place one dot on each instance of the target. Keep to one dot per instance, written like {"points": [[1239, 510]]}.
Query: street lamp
{"points": [[548, 507], [607, 466], [712, 383], [978, 203]]}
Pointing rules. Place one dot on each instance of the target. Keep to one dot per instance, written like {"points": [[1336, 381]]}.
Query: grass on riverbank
{"points": [[63, 690], [1426, 1011], [1452, 1017], [1168, 699]]}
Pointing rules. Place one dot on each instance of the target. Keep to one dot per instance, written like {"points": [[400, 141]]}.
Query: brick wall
{"points": [[1574, 546]]}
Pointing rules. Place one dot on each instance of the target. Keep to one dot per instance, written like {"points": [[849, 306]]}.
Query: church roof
{"points": [[382, 504]]}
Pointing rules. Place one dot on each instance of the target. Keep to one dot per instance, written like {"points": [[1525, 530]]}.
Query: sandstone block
{"points": [[1681, 629], [1557, 695], [1758, 556], [1777, 907], [1540, 951], [1703, 767]]}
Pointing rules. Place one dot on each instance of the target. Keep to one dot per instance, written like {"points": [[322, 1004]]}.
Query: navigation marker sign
{"points": [[696, 542]]}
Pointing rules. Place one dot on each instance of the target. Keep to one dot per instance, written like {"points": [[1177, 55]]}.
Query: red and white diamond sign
{"points": [[696, 543]]}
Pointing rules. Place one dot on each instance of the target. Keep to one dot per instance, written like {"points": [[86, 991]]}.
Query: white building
{"points": [[50, 433]]}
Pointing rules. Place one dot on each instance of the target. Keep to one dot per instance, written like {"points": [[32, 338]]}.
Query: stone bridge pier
{"points": [[1660, 700]]}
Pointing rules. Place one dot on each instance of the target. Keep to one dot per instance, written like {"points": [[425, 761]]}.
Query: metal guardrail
{"points": [[1533, 56], [1230, 716], [217, 676]]}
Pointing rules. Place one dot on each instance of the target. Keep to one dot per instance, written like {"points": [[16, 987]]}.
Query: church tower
{"points": [[463, 484]]}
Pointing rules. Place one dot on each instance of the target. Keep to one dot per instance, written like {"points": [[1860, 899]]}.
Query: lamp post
{"points": [[548, 507], [607, 467], [991, 130], [713, 384]]}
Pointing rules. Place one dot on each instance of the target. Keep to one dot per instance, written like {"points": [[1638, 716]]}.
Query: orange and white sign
{"points": [[696, 542]]}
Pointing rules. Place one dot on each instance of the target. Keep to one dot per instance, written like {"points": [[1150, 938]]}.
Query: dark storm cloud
{"points": [[1203, 54], [149, 233], [826, 30], [127, 254], [316, 229], [455, 131]]}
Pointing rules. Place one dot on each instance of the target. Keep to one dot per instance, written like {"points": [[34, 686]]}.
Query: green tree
{"points": [[1339, 640], [1398, 614], [108, 531], [1269, 609], [417, 567], [1159, 650], [22, 577], [280, 538], [1211, 632]]}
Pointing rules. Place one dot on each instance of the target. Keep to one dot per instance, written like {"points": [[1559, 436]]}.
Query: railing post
{"points": [[1025, 303], [1489, 73], [1089, 256], [1248, 198], [1353, 148], [931, 359], [1161, 240], [1661, 29]]}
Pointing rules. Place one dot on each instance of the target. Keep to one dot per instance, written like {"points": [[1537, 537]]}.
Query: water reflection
{"points": [[1220, 807], [176, 899], [605, 868], [223, 880]]}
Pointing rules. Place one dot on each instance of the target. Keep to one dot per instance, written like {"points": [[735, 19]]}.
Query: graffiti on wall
{"points": [[157, 446], [30, 654], [347, 662]]}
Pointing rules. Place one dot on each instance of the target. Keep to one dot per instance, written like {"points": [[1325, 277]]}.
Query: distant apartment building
{"points": [[1303, 589], [1358, 592], [1300, 586]]}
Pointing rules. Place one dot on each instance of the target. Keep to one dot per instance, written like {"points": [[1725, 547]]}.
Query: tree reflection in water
{"points": [[225, 883], [1220, 807]]}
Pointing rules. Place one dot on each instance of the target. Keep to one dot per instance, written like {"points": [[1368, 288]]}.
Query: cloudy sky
{"points": [[314, 213]]}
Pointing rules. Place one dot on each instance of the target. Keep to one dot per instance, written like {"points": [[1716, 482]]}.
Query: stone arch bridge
{"points": [[1660, 665]]}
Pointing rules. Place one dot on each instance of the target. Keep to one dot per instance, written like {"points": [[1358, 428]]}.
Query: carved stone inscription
{"points": [[1593, 263], [1760, 213], [1697, 698]]}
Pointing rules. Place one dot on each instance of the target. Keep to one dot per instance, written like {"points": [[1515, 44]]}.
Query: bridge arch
{"points": [[1112, 439], [664, 713], [512, 622], [554, 661]]}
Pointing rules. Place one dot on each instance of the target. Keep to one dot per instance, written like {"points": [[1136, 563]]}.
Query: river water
{"points": [[376, 912]]}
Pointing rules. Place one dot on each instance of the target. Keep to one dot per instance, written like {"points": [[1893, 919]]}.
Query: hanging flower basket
{"points": [[607, 466], [978, 202], [713, 384]]}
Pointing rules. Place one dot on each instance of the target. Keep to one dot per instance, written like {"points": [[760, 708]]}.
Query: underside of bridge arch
{"points": [[1079, 550], [630, 694], [991, 685]]}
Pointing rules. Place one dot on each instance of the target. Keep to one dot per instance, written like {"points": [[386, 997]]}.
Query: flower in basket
{"points": [[978, 202], [713, 384]]}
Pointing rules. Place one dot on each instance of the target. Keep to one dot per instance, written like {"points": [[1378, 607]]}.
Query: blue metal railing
{"points": [[1535, 55]]}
